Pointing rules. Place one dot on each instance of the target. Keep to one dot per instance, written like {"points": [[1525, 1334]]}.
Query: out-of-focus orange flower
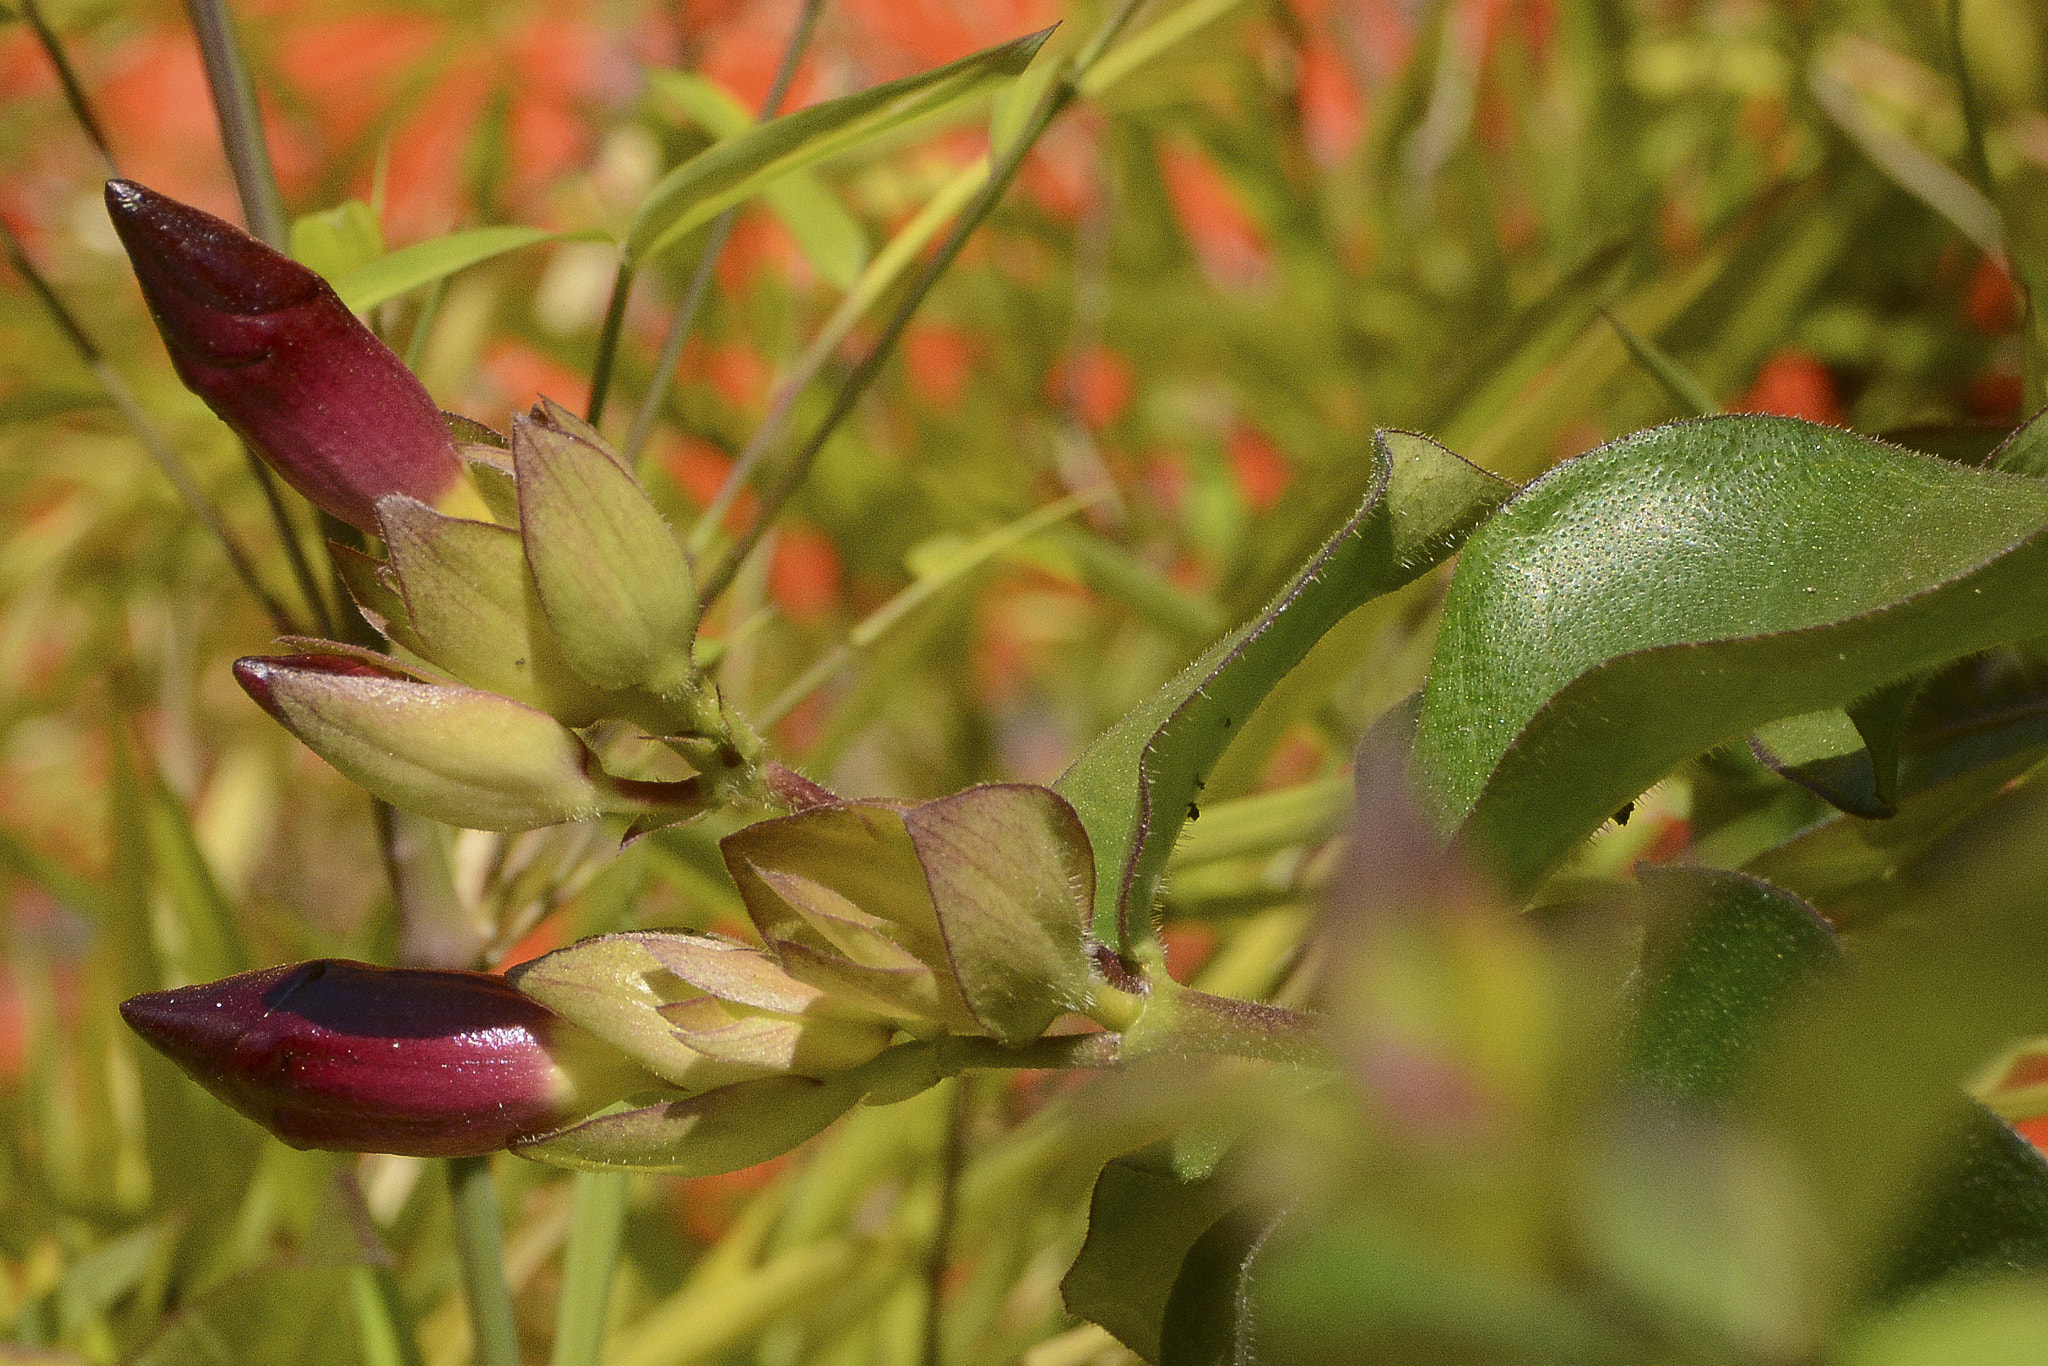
{"points": [[903, 36], [1189, 944], [1100, 385], [1993, 303], [1793, 383], [939, 357], [1332, 108], [1226, 239], [512, 374], [804, 575], [1261, 471]]}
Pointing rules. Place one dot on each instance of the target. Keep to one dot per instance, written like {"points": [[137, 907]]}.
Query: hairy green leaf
{"points": [[1678, 588]]}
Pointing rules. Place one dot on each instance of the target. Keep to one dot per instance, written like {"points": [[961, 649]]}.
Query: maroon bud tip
{"points": [[280, 358], [253, 673], [345, 1056]]}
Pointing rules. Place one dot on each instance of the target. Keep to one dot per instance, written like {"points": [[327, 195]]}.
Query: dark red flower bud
{"points": [[272, 350], [345, 1056]]}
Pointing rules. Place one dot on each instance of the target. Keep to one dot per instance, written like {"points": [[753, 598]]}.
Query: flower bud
{"points": [[345, 1056], [609, 570], [454, 754], [273, 351]]}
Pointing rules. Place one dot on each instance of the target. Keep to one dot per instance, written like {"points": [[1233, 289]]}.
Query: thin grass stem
{"points": [[597, 1221], [241, 121], [714, 246], [74, 92], [153, 441], [479, 1244], [1002, 173]]}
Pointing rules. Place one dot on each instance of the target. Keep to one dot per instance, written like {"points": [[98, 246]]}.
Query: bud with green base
{"points": [[448, 752]]}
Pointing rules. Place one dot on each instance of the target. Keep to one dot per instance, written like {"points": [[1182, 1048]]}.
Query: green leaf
{"points": [[1683, 586], [2026, 450], [1148, 1210], [1985, 1211], [336, 241], [1135, 785], [1999, 1321], [701, 188], [1012, 882], [1726, 953], [1973, 728], [830, 238], [422, 263], [1209, 1319]]}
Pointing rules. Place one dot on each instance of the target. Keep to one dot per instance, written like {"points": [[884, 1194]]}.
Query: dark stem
{"points": [[479, 1242], [295, 554], [74, 93], [152, 440], [714, 245], [241, 122], [608, 342], [940, 1255]]}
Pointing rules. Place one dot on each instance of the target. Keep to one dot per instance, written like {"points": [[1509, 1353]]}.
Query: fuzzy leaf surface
{"points": [[1678, 588]]}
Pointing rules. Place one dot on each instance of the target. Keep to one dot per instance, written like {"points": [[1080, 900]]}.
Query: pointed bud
{"points": [[700, 1012], [279, 357], [345, 1056], [610, 572], [454, 754]]}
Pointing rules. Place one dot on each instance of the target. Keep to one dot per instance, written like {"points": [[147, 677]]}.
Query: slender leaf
{"points": [[701, 188], [422, 263], [1135, 785], [830, 238]]}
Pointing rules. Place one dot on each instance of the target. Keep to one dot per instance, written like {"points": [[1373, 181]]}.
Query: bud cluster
{"points": [[535, 601], [530, 589], [884, 931]]}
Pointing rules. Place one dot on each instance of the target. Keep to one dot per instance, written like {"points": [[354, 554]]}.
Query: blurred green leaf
{"points": [[2000, 1322], [337, 241], [280, 1315], [1136, 784], [1147, 1211], [422, 263], [830, 238], [702, 187], [1725, 954], [1595, 631]]}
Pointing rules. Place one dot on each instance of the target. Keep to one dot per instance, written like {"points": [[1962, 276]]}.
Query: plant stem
{"points": [[479, 1243], [74, 93], [241, 122], [1004, 170], [152, 440], [940, 1253], [598, 1221], [608, 341], [714, 245]]}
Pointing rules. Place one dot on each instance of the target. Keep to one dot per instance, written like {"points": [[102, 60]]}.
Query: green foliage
{"points": [[1570, 1111]]}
